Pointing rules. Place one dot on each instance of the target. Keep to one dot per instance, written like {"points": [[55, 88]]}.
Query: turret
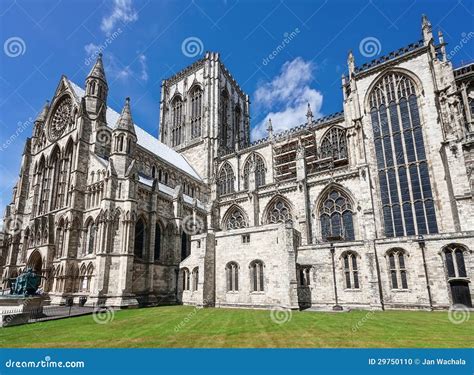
{"points": [[96, 89], [39, 122], [124, 139], [426, 30]]}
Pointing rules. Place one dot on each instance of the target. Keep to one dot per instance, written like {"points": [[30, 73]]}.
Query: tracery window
{"points": [[232, 276], [90, 238], [405, 187], [157, 250], [226, 180], [140, 237], [397, 268], [336, 217], [256, 276], [236, 219], [454, 258], [304, 273], [334, 144], [351, 272], [196, 112], [259, 171], [186, 277], [195, 278], [279, 212], [224, 117], [177, 127]]}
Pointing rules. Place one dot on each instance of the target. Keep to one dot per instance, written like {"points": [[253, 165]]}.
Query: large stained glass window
{"points": [[336, 216], [405, 188]]}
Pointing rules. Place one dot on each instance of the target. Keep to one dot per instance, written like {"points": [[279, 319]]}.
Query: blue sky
{"points": [[145, 41]]}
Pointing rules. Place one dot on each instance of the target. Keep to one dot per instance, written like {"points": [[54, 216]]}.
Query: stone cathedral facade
{"points": [[371, 207]]}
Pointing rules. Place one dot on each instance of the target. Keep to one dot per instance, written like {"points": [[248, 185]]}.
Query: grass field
{"points": [[189, 327]]}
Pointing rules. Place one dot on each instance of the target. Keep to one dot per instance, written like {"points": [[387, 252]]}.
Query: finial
{"points": [[351, 63], [309, 115], [426, 29], [270, 128]]}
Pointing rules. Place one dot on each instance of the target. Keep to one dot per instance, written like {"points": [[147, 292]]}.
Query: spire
{"points": [[125, 121], [309, 115], [442, 45], [270, 128], [351, 64], [44, 112], [426, 29], [97, 70]]}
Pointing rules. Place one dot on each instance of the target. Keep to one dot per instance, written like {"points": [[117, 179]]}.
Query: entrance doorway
{"points": [[460, 293]]}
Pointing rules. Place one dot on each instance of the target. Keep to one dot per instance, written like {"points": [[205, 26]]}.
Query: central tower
{"points": [[204, 113]]}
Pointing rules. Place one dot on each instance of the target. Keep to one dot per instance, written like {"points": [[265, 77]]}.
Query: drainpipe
{"points": [[336, 307], [421, 242]]}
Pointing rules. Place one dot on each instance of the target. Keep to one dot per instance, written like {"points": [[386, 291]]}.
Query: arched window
{"points": [[177, 126], [304, 273], [224, 118], [351, 272], [237, 119], [186, 284], [195, 278], [232, 276], [254, 162], [397, 269], [157, 252], [59, 240], [185, 245], [226, 180], [140, 237], [44, 172], [256, 276], [405, 187], [65, 181], [55, 167], [454, 258], [336, 217], [236, 219], [279, 212], [334, 144], [196, 112], [90, 238]]}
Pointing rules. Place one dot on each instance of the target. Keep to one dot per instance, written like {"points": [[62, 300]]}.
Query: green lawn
{"points": [[183, 326]]}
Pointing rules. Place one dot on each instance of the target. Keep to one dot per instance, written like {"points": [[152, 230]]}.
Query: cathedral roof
{"points": [[147, 141]]}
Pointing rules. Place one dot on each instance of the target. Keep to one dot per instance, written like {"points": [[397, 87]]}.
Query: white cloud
{"points": [[287, 97], [122, 11], [92, 49], [144, 72]]}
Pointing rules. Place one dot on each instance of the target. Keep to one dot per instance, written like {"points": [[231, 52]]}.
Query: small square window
{"points": [[245, 238]]}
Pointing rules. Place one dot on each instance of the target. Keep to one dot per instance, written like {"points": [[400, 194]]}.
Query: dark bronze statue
{"points": [[26, 284]]}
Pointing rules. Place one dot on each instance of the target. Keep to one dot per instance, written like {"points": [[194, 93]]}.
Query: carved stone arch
{"points": [[35, 261], [235, 218], [278, 210], [82, 270], [409, 74], [176, 96]]}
